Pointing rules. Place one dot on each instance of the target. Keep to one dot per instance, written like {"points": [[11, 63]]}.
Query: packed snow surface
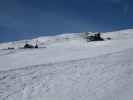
{"points": [[66, 67]]}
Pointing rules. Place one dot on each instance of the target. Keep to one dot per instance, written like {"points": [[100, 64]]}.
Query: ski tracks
{"points": [[74, 80]]}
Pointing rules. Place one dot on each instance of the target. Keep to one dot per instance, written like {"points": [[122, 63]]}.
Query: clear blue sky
{"points": [[20, 19]]}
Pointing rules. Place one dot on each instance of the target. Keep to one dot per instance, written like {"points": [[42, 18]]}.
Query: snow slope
{"points": [[69, 68]]}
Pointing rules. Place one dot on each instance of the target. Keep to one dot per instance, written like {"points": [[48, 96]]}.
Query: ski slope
{"points": [[69, 68]]}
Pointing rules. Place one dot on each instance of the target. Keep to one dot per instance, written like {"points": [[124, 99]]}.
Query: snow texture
{"points": [[69, 68]]}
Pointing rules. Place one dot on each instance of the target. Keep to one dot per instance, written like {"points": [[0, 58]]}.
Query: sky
{"points": [[23, 19]]}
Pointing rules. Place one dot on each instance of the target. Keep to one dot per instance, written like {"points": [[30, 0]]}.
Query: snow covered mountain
{"points": [[69, 68]]}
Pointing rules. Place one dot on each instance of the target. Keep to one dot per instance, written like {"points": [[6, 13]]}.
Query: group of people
{"points": [[95, 37], [30, 46]]}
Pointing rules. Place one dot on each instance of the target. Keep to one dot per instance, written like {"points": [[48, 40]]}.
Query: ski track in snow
{"points": [[93, 78], [69, 69]]}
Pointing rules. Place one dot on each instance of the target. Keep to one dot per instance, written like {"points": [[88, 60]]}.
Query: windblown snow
{"points": [[67, 67]]}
